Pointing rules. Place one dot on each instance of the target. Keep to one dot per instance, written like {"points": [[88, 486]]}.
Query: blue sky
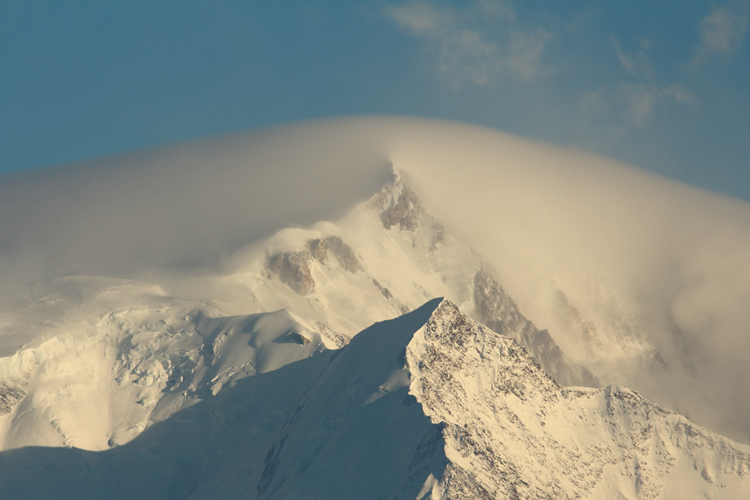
{"points": [[664, 85]]}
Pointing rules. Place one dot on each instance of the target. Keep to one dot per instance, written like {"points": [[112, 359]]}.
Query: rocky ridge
{"points": [[512, 432], [430, 405]]}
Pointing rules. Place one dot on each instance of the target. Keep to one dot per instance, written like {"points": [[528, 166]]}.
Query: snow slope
{"points": [[101, 359], [428, 405]]}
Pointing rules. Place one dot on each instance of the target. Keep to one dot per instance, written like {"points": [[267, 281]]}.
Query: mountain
{"points": [[252, 316], [147, 355], [428, 405]]}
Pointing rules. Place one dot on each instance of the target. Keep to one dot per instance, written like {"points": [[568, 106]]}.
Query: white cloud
{"points": [[422, 18], [465, 49], [641, 99], [635, 100], [626, 61], [526, 53], [678, 94], [723, 30], [637, 66], [500, 9]]}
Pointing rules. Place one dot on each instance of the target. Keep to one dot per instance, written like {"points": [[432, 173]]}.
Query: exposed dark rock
{"points": [[293, 269], [9, 397], [338, 339], [386, 293], [495, 308], [344, 254], [399, 206], [297, 338]]}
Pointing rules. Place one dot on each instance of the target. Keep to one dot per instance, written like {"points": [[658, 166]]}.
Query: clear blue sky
{"points": [[664, 85]]}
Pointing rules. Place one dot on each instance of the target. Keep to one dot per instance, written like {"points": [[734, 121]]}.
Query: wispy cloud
{"points": [[723, 30], [636, 66], [636, 99], [640, 99], [478, 43]]}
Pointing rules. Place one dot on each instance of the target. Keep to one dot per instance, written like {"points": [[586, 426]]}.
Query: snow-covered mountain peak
{"points": [[460, 348], [511, 432], [398, 205], [225, 292], [428, 405], [392, 255]]}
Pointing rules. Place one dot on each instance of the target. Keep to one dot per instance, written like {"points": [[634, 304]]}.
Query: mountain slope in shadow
{"points": [[428, 405]]}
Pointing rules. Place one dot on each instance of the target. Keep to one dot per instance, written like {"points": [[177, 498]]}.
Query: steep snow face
{"points": [[428, 405]]}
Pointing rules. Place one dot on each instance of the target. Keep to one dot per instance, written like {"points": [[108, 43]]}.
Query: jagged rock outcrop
{"points": [[412, 248], [293, 268], [343, 253], [399, 206], [10, 396], [512, 432]]}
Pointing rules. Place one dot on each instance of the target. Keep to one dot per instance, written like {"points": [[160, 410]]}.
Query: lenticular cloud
{"points": [[553, 222]]}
